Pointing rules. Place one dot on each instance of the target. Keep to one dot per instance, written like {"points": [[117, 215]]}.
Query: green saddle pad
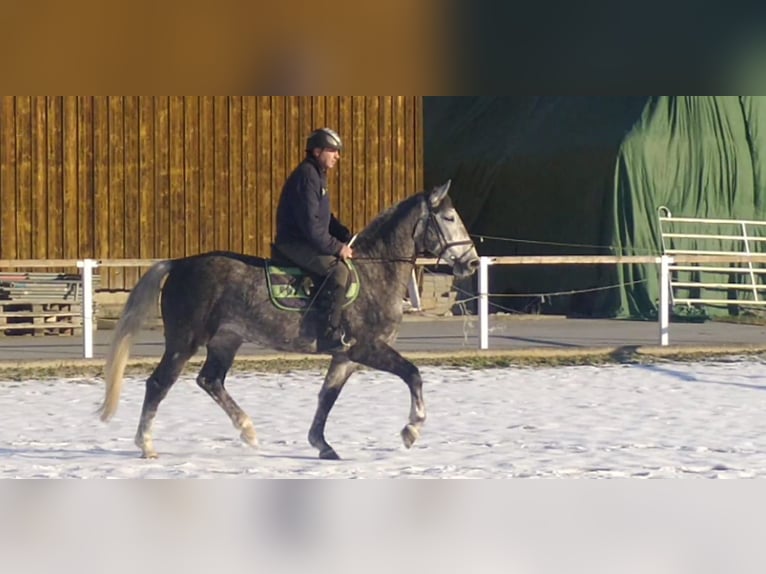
{"points": [[292, 289]]}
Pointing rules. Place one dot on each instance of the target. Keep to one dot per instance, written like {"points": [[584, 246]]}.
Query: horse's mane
{"points": [[380, 229]]}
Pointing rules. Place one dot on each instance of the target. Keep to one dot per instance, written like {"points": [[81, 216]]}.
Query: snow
{"points": [[665, 420]]}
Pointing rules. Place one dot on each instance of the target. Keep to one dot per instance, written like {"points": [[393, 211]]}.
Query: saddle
{"points": [[293, 289]]}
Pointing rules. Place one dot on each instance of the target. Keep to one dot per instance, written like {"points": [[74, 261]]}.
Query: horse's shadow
{"points": [[298, 457], [64, 454], [690, 378], [75, 454]]}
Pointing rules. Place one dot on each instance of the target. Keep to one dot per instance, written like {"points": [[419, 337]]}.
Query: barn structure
{"points": [[149, 177]]}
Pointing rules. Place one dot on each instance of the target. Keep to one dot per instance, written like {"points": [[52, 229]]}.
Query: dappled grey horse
{"points": [[221, 300]]}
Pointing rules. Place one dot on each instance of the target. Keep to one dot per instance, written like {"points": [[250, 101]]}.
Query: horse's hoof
{"points": [[409, 435], [147, 448], [249, 437], [329, 454]]}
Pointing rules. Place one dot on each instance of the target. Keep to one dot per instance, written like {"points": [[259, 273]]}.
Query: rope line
{"points": [[467, 297], [610, 248]]}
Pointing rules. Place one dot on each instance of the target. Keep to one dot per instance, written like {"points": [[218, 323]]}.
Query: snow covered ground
{"points": [[668, 420]]}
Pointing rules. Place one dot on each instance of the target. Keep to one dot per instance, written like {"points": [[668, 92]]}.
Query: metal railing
{"points": [[705, 284]]}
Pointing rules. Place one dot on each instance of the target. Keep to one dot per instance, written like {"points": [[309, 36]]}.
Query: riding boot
{"points": [[333, 338], [331, 341]]}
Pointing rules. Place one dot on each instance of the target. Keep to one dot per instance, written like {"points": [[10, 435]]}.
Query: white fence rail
{"points": [[665, 264]]}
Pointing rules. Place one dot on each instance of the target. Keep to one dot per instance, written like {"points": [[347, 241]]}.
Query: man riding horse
{"points": [[310, 236]]}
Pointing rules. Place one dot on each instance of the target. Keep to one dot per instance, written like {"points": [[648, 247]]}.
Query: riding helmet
{"points": [[324, 138]]}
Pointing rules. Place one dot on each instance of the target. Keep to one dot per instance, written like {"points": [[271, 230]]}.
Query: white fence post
{"points": [[664, 313], [484, 263], [87, 266], [414, 292]]}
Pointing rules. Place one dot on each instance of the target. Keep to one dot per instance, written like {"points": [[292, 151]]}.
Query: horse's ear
{"points": [[438, 194]]}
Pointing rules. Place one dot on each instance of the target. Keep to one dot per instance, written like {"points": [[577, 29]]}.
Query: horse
{"points": [[221, 299]]}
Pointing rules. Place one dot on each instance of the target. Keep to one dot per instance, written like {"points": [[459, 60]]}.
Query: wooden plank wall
{"points": [[144, 177]]}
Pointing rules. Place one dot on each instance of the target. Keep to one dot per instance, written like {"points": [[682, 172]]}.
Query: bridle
{"points": [[431, 221], [424, 223]]}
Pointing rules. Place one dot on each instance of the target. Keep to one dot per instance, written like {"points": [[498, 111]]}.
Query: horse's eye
{"points": [[450, 218]]}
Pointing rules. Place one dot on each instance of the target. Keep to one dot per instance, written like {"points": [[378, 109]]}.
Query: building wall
{"points": [[145, 177]]}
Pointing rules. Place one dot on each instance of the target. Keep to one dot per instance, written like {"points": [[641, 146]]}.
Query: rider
{"points": [[310, 236]]}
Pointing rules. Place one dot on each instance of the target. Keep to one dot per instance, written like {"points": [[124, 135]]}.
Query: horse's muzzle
{"points": [[466, 266]]}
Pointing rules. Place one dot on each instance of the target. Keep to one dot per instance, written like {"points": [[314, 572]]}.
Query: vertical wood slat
{"points": [[207, 221], [306, 126], [221, 169], [191, 155], [249, 177], [318, 111], [398, 154], [331, 120], [358, 159], [147, 182], [293, 141], [116, 190], [385, 149], [167, 176], [85, 178], [293, 132], [409, 148], [177, 180], [266, 193], [278, 166], [417, 138], [101, 183], [8, 247], [39, 178], [162, 174], [24, 177], [345, 189], [372, 142], [235, 171], [132, 201], [70, 233], [55, 171]]}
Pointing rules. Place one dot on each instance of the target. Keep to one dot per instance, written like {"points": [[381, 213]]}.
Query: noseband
{"points": [[445, 245]]}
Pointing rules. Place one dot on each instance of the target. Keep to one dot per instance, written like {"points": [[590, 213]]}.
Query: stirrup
{"points": [[347, 343], [339, 345]]}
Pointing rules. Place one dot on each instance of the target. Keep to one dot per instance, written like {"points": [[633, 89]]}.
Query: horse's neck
{"points": [[392, 252]]}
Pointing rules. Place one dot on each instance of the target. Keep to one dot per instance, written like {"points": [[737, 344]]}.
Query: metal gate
{"points": [[712, 280]]}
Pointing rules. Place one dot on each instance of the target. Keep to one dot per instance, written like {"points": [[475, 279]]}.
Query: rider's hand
{"points": [[346, 252]]}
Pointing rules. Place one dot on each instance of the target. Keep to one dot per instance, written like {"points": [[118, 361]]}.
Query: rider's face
{"points": [[327, 157]]}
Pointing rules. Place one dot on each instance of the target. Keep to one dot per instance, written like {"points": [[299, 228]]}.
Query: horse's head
{"points": [[444, 235]]}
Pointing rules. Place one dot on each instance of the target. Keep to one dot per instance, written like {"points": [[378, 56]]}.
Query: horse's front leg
{"points": [[383, 357], [337, 375]]}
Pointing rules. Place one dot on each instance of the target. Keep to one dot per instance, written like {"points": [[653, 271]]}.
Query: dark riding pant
{"points": [[330, 266]]}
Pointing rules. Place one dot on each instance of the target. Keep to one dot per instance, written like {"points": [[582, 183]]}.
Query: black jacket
{"points": [[303, 213]]}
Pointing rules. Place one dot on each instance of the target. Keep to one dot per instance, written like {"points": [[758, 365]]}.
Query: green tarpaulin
{"points": [[571, 175]]}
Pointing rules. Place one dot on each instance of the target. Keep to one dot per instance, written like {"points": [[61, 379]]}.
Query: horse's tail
{"points": [[142, 298]]}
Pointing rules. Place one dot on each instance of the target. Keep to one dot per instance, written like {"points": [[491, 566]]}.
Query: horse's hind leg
{"points": [[157, 387], [337, 375], [220, 356], [383, 357]]}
